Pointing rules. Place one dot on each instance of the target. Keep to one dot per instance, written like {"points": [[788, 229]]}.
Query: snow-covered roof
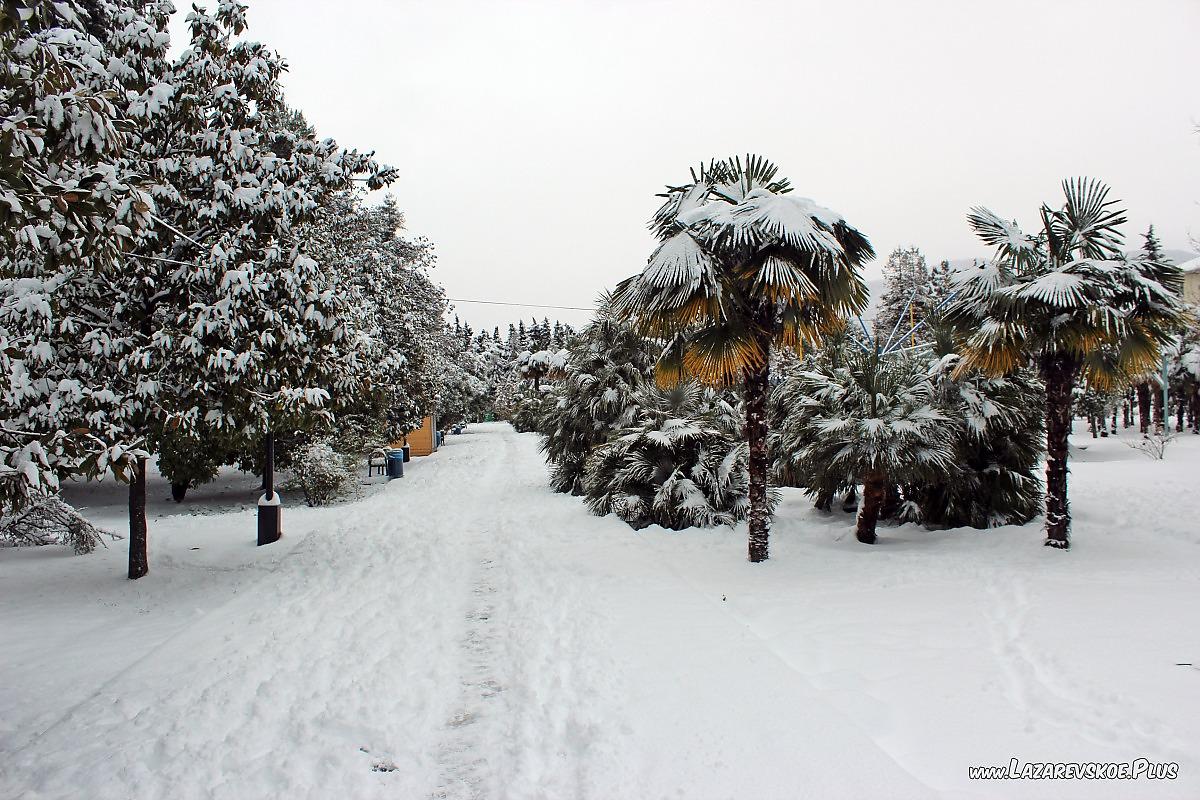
{"points": [[1191, 266]]}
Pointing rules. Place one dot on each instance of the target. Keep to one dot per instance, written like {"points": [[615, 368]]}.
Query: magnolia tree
{"points": [[216, 323], [70, 206], [395, 314]]}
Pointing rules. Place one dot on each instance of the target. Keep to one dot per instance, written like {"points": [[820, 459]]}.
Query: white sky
{"points": [[532, 135]]}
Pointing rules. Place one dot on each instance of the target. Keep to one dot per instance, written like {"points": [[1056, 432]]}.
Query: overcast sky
{"points": [[532, 136]]}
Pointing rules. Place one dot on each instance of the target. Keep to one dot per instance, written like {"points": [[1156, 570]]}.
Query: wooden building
{"points": [[423, 440]]}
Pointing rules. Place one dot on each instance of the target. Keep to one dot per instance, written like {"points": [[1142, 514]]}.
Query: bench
{"points": [[377, 460]]}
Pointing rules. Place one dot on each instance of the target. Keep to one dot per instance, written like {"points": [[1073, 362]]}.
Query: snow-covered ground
{"points": [[465, 633]]}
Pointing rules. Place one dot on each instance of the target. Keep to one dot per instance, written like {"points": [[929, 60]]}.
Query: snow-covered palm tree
{"points": [[1068, 300], [608, 364], [742, 267], [873, 420], [679, 464]]}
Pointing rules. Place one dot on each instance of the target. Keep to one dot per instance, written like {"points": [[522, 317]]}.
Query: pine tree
{"points": [[941, 284], [908, 279]]}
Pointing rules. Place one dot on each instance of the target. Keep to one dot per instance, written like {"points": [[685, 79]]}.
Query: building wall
{"points": [[421, 442], [1191, 287]]}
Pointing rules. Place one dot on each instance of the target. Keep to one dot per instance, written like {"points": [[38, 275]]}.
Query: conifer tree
{"points": [[908, 279]]}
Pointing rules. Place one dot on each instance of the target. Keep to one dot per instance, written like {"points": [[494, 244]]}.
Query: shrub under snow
{"points": [[321, 473], [681, 465]]}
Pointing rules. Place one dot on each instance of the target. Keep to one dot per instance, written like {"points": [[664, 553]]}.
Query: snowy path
{"points": [[465, 633]]}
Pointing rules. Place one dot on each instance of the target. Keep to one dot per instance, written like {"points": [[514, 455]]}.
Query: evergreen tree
{"points": [[216, 320], [71, 204], [908, 279], [941, 284]]}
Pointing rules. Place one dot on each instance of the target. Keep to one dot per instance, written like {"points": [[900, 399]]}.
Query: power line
{"points": [[519, 305]]}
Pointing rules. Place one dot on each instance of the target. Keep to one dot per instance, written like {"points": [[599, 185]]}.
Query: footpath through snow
{"points": [[465, 633]]}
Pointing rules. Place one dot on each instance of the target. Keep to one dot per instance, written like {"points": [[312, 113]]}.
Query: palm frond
{"points": [[1089, 222], [719, 354]]}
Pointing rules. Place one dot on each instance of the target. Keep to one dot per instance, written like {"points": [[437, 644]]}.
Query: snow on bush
{"points": [[597, 397], [48, 519], [681, 465], [322, 474]]}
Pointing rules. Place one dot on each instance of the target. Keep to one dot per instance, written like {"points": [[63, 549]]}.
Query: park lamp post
{"points": [[270, 523]]}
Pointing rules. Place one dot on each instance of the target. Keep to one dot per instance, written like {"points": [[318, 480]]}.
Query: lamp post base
{"points": [[270, 519]]}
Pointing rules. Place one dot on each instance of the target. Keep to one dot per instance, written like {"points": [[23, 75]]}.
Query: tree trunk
{"points": [[758, 387], [178, 491], [1195, 408], [1159, 411], [1127, 409], [850, 501], [874, 492], [1143, 400], [1179, 414], [139, 564], [1058, 372]]}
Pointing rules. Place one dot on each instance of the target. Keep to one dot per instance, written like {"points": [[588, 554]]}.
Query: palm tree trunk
{"points": [[1159, 412], [139, 564], [874, 493], [1058, 372], [758, 387], [1143, 400], [1195, 408]]}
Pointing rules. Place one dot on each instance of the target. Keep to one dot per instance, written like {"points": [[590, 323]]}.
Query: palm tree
{"points": [[598, 395], [872, 420], [742, 266], [1070, 301]]}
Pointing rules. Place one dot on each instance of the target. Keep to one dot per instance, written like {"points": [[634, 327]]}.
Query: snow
{"points": [[464, 632]]}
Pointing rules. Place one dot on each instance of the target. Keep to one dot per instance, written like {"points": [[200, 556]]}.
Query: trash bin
{"points": [[407, 453], [441, 439], [395, 464]]}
